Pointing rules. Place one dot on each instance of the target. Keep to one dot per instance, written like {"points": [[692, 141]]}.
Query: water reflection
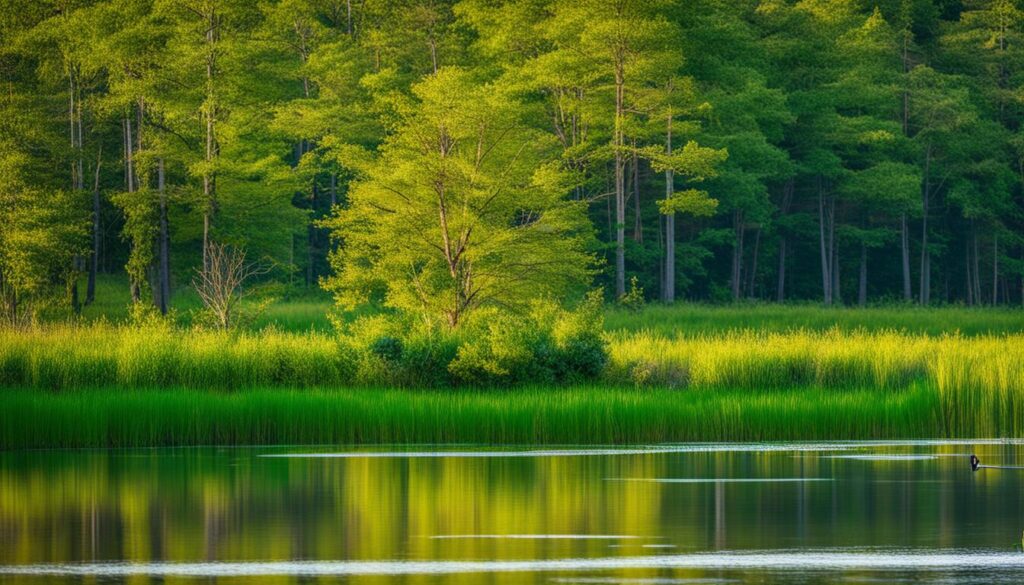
{"points": [[806, 513]]}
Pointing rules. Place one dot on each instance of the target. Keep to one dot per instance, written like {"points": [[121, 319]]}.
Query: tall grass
{"points": [[832, 359], [103, 384], [686, 319], [116, 418], [65, 357]]}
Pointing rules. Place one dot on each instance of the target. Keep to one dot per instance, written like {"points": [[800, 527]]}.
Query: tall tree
{"points": [[463, 208]]}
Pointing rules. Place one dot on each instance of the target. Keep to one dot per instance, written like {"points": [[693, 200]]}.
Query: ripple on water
{"points": [[720, 479], [826, 560], [534, 537]]}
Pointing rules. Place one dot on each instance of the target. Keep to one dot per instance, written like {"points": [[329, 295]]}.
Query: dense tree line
{"points": [[849, 151]]}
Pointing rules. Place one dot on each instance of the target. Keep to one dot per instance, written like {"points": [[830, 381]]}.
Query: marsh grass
{"points": [[104, 384], [693, 319], [118, 418], [67, 356], [830, 359]]}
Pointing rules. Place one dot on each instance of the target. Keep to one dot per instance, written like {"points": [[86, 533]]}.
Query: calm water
{"points": [[729, 513]]}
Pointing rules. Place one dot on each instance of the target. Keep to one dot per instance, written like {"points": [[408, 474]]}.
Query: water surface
{"points": [[878, 512]]}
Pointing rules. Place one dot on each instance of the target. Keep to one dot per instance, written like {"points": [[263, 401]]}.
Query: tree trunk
{"points": [[995, 270], [739, 230], [164, 272], [94, 259], [134, 286], [826, 252], [620, 183], [977, 266], [905, 257], [209, 113], [837, 295], [753, 264], [669, 291], [77, 180], [780, 290], [926, 277], [311, 239], [968, 280], [862, 290], [787, 198], [638, 227]]}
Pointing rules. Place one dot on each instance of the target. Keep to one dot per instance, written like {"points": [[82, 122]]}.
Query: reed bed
{"points": [[142, 418]]}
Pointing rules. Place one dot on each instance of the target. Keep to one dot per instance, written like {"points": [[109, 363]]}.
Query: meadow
{"points": [[672, 374]]}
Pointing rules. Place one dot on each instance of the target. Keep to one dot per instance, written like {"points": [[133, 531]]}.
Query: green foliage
{"points": [[547, 345], [463, 210], [141, 215], [691, 202], [40, 234], [633, 300], [329, 139]]}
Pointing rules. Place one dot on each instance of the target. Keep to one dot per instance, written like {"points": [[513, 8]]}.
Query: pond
{"points": [[698, 513]]}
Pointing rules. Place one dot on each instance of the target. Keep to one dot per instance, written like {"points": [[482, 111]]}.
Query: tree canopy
{"points": [[439, 155]]}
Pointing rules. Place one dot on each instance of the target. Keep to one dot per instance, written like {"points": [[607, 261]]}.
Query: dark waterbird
{"points": [[976, 465]]}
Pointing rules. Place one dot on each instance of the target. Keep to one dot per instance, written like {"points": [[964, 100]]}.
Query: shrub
{"points": [[548, 344]]}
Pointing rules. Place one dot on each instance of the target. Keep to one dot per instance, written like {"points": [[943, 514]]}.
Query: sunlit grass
{"points": [[686, 319], [68, 356], [117, 418], [792, 378]]}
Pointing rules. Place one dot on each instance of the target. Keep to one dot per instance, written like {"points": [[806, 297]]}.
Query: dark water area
{"points": [[892, 512]]}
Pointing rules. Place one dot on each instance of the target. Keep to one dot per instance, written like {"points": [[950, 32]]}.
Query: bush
{"points": [[548, 344]]}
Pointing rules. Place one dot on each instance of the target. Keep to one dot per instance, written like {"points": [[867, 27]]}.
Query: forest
{"points": [[840, 151]]}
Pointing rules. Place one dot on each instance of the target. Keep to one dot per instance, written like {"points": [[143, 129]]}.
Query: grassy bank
{"points": [[68, 357], [116, 418], [805, 373]]}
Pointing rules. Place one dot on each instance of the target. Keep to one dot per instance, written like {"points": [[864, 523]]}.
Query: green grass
{"points": [[685, 373], [117, 418], [305, 310], [685, 319], [67, 357], [298, 310]]}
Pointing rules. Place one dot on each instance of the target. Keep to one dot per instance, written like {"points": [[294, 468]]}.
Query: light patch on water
{"points": [[535, 536], [640, 581], [433, 454], [883, 457], [826, 560], [721, 479], [653, 449]]}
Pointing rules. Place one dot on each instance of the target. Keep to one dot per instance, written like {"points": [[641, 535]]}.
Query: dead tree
{"points": [[219, 283]]}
